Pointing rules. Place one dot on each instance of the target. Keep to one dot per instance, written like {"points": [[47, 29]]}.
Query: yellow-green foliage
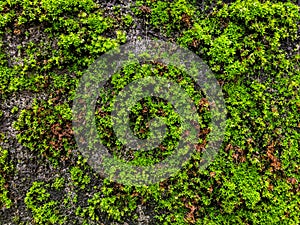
{"points": [[43, 209], [255, 177], [6, 168]]}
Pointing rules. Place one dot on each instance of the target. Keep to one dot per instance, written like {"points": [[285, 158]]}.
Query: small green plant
{"points": [[78, 177], [6, 168], [43, 209], [166, 16], [15, 109], [58, 183]]}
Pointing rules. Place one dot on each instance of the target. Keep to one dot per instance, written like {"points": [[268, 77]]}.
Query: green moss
{"points": [[166, 16], [58, 183], [116, 202], [43, 209], [15, 109], [144, 111], [6, 168], [254, 179], [78, 177], [74, 34], [46, 129]]}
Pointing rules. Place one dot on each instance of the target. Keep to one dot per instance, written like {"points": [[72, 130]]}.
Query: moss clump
{"points": [[69, 36], [46, 130], [6, 168], [43, 209], [147, 109], [168, 17]]}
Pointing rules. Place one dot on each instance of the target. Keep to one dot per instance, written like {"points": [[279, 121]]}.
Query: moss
{"points": [[6, 168], [71, 35], [58, 183], [168, 17], [255, 177], [49, 131], [145, 110], [15, 109], [43, 209], [78, 177]]}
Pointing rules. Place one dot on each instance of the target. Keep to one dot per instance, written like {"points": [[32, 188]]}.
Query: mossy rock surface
{"points": [[252, 47]]}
